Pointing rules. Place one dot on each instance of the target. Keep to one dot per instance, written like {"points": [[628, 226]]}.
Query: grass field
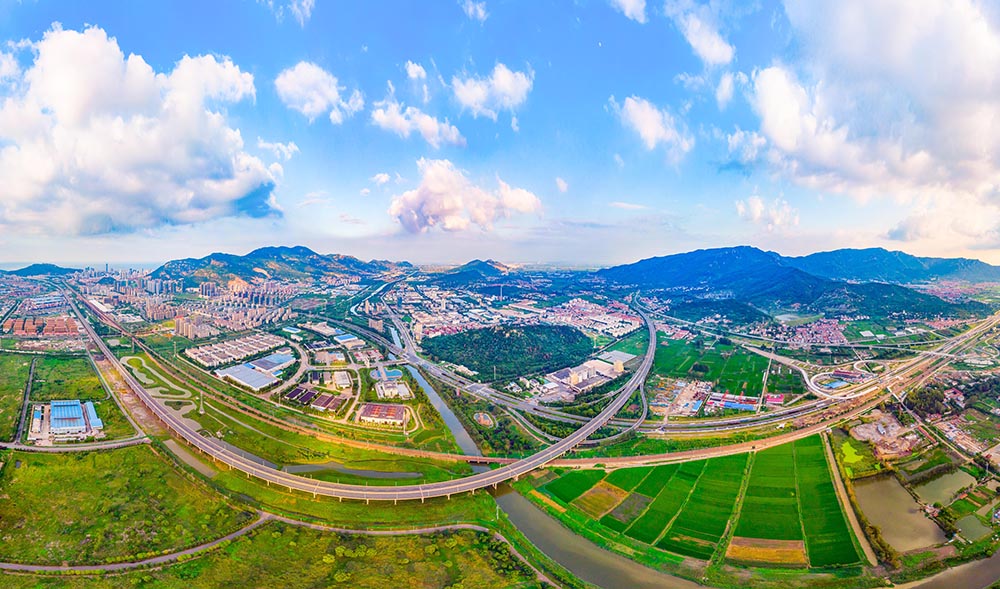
{"points": [[785, 380], [857, 457], [281, 555], [732, 369], [789, 515], [66, 377], [94, 507], [14, 369]]}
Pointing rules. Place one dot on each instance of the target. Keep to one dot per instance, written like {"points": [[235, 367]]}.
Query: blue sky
{"points": [[592, 132]]}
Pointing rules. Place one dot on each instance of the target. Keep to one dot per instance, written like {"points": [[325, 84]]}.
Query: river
{"points": [[580, 556]]}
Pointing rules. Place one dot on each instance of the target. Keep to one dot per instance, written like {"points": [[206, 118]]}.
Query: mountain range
{"points": [[40, 270], [880, 265], [769, 281], [471, 272], [286, 263]]}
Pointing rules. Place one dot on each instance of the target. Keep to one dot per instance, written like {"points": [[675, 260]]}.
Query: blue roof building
{"points": [[92, 418], [66, 418]]}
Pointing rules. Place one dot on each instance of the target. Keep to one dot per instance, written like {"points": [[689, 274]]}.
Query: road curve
{"points": [[420, 492]]}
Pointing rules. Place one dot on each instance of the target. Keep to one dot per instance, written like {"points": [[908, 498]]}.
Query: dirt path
{"points": [[845, 502]]}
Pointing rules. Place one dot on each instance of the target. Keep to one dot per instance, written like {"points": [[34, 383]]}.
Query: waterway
{"points": [[580, 556], [887, 505], [450, 419]]}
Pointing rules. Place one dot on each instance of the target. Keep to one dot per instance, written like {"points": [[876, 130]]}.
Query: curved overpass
{"points": [[364, 493]]}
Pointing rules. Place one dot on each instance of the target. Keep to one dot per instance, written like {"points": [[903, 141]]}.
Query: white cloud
{"points": [[774, 215], [697, 24], [895, 100], [633, 9], [302, 10], [9, 68], [475, 10], [415, 71], [619, 161], [745, 145], [380, 179], [654, 126], [504, 89], [448, 200], [724, 91], [628, 206], [393, 116], [562, 185], [316, 197], [92, 141], [365, 191], [280, 150], [312, 91]]}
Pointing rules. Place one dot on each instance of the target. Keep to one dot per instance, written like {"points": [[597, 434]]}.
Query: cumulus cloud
{"points": [[503, 89], [654, 126], [92, 141], [403, 120], [562, 185], [9, 68], [280, 150], [312, 91], [774, 215], [475, 10], [415, 71], [380, 179], [633, 9], [697, 23], [448, 200], [858, 113]]}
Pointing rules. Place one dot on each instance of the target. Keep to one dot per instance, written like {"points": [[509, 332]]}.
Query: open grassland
{"points": [[732, 369], [292, 557], [95, 507], [14, 369], [66, 377], [788, 516], [857, 457]]}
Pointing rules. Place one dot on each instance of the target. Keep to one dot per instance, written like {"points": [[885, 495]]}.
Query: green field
{"points": [[790, 496], [688, 509], [857, 457], [14, 369], [785, 380], [95, 507], [732, 369], [292, 557], [66, 377]]}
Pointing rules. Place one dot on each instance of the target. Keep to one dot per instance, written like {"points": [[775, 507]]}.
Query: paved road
{"points": [[420, 492], [63, 448]]}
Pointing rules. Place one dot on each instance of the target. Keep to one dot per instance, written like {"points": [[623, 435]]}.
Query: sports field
{"points": [[789, 515]]}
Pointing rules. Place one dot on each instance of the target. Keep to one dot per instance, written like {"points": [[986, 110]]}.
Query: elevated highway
{"points": [[421, 492]]}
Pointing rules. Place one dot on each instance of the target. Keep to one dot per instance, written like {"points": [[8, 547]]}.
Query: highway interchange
{"points": [[856, 399]]}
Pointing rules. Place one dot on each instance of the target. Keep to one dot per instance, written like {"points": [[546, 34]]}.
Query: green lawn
{"points": [[14, 369], [94, 507]]}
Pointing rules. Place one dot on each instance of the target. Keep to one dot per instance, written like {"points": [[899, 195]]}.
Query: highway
{"points": [[421, 492]]}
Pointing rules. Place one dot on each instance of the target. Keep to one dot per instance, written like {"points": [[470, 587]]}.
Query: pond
{"points": [[942, 489], [887, 505], [972, 529]]}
